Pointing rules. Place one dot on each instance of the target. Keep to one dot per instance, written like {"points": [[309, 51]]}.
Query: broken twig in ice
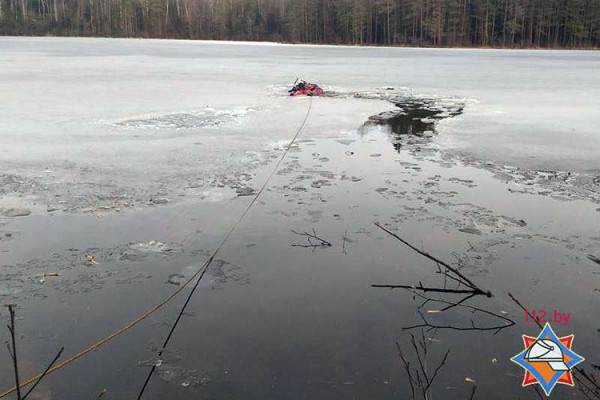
{"points": [[420, 378], [513, 298], [407, 368], [344, 240], [594, 258], [424, 289], [429, 326], [313, 241], [13, 348], [473, 392], [458, 276], [464, 286], [537, 391], [44, 373]]}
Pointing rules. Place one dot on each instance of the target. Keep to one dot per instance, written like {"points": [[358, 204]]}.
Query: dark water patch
{"points": [[416, 120], [245, 191], [417, 117]]}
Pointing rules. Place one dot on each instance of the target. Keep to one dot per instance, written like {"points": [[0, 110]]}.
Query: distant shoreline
{"points": [[268, 43]]}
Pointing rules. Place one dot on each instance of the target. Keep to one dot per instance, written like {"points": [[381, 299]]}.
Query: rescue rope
{"points": [[198, 274]]}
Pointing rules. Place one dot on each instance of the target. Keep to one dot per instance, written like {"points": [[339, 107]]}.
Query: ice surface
{"points": [[534, 108], [96, 125]]}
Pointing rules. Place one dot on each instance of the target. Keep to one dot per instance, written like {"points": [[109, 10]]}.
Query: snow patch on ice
{"points": [[209, 117], [152, 246]]}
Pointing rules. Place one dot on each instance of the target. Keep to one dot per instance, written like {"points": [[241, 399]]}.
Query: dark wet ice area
{"points": [[416, 116], [279, 314]]}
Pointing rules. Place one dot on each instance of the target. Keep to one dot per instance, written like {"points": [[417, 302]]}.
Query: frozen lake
{"points": [[532, 108], [124, 162]]}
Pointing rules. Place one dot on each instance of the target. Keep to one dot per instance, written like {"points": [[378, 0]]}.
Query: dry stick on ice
{"points": [[44, 373], [429, 326], [421, 379], [322, 243], [473, 392], [426, 289], [344, 240], [407, 367], [462, 278], [513, 298], [455, 275], [590, 385], [12, 350]]}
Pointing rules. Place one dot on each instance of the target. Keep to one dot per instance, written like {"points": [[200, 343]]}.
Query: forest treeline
{"points": [[488, 23]]}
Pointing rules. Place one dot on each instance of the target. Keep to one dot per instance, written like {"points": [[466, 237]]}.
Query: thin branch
{"points": [[427, 289], [587, 396], [445, 273], [447, 276], [420, 382], [13, 340], [459, 302], [595, 389], [524, 309], [473, 327], [585, 389], [535, 388], [437, 369], [321, 243], [423, 370], [423, 344], [407, 367], [465, 279], [473, 392], [44, 373], [9, 349], [419, 378], [588, 377], [473, 308]]}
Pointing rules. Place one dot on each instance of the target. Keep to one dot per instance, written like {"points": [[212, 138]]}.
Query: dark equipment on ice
{"points": [[302, 88]]}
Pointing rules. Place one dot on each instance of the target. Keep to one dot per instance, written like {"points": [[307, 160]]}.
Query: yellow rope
{"points": [[152, 310]]}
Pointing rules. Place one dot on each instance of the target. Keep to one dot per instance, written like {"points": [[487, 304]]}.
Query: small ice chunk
{"points": [[245, 191], [152, 246], [15, 212], [473, 231], [176, 279]]}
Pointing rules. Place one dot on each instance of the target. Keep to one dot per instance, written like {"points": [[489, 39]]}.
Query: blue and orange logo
{"points": [[548, 359]]}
